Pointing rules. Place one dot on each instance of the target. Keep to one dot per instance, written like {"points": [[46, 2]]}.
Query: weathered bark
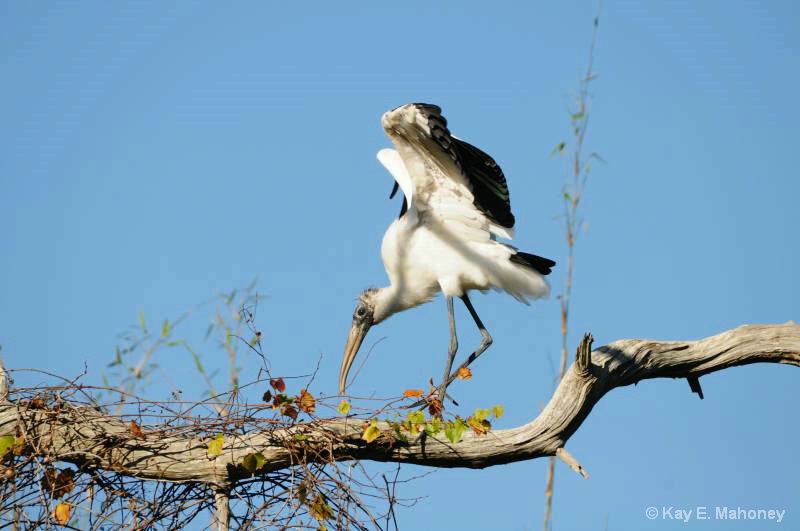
{"points": [[86, 437]]}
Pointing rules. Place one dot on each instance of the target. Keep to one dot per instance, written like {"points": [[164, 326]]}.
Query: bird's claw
{"points": [[432, 401]]}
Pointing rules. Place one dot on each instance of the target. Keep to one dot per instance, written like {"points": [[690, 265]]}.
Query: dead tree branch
{"points": [[92, 440]]}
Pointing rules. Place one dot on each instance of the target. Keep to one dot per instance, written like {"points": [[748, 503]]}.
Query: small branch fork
{"points": [[72, 432]]}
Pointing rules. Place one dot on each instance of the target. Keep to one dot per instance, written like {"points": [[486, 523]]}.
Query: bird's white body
{"points": [[443, 242]]}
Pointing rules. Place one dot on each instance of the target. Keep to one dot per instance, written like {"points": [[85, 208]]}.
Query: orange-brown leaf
{"points": [[136, 430], [480, 427], [412, 393], [306, 402], [278, 384], [58, 483], [464, 373], [62, 513], [290, 412], [435, 407]]}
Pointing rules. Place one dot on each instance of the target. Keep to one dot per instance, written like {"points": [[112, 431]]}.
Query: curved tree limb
{"points": [[88, 438]]}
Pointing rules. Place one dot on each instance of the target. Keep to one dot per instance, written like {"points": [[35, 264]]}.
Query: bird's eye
{"points": [[361, 311]]}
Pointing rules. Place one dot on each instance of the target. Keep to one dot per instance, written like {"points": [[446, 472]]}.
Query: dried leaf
{"points": [[136, 430], [267, 396], [372, 431], [278, 384], [302, 493], [62, 513], [412, 393], [65, 482], [344, 407], [289, 411], [435, 407], [58, 483], [464, 373], [215, 446], [306, 402], [37, 403]]}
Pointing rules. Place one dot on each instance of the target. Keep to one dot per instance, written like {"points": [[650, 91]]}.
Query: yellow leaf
{"points": [[481, 414], [253, 461], [344, 407], [479, 426], [62, 512], [372, 431], [497, 411], [320, 510], [6, 444], [215, 446], [19, 445], [464, 373], [412, 393]]}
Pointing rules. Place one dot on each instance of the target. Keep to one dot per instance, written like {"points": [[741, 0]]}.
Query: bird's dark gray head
{"points": [[365, 308], [363, 319]]}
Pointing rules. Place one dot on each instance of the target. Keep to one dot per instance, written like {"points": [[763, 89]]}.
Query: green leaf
{"points": [[559, 148], [416, 417], [398, 432], [455, 430], [142, 323], [481, 414], [577, 116], [497, 411], [230, 298], [372, 432], [434, 426], [165, 328], [6, 443], [253, 461], [117, 358], [215, 446], [344, 407]]}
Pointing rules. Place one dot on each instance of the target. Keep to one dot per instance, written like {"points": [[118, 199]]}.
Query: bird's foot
{"points": [[434, 401]]}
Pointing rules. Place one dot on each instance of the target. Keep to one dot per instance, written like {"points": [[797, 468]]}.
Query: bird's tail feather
{"points": [[543, 266]]}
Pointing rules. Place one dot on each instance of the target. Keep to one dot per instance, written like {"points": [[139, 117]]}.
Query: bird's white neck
{"points": [[391, 300]]}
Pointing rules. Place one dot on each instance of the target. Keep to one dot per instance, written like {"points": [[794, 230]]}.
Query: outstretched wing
{"points": [[433, 156]]}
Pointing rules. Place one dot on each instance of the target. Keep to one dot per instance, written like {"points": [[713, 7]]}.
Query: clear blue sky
{"points": [[154, 154]]}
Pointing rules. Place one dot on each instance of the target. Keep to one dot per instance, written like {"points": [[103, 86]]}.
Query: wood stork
{"points": [[456, 204]]}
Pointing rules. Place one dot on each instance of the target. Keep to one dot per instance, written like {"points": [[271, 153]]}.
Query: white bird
{"points": [[456, 204]]}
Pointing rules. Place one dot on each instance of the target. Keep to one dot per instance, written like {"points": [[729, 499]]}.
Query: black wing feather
{"points": [[488, 182], [539, 264], [485, 177]]}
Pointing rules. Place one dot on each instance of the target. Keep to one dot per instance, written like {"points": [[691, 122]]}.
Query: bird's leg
{"points": [[451, 352], [485, 342]]}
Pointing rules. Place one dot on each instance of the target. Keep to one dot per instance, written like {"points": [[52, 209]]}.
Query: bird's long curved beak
{"points": [[354, 339]]}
